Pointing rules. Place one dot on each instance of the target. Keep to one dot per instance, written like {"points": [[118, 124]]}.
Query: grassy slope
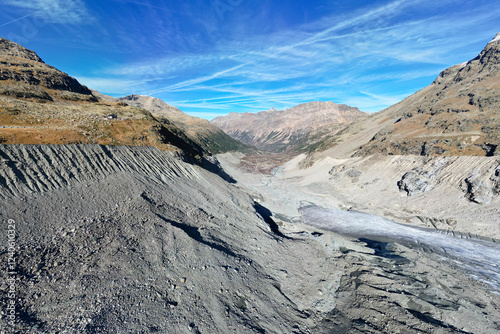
{"points": [[31, 121]]}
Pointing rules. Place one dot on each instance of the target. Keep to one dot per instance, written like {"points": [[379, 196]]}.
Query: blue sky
{"points": [[212, 57]]}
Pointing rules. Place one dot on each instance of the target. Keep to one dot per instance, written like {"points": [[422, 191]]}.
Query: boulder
{"points": [[415, 183], [478, 190], [482, 188]]}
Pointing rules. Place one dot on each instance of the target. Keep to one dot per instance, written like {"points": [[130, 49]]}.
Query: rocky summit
{"points": [[24, 74], [295, 129]]}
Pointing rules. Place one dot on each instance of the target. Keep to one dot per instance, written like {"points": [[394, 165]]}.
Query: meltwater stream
{"points": [[479, 259]]}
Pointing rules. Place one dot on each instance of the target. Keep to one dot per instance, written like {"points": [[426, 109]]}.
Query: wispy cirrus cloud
{"points": [[256, 99], [54, 11], [370, 58], [198, 80]]}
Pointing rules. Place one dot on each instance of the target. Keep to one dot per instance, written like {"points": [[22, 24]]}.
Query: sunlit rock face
{"points": [[456, 115], [293, 129]]}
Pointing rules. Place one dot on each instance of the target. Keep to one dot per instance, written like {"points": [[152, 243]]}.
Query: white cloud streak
{"points": [[55, 11], [318, 61], [189, 83]]}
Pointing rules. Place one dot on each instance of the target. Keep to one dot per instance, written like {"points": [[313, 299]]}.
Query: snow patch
{"points": [[496, 39]]}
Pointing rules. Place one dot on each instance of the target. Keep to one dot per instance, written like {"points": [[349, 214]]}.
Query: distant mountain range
{"points": [[458, 114], [296, 129], [209, 137]]}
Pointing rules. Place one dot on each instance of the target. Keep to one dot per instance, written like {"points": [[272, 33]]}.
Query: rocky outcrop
{"points": [[14, 50], [416, 182], [422, 179], [300, 128], [20, 67], [456, 115], [481, 187], [340, 171], [202, 132], [25, 91], [151, 104]]}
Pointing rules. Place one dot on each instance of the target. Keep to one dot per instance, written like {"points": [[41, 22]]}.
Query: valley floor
{"points": [[445, 233], [134, 240], [440, 189]]}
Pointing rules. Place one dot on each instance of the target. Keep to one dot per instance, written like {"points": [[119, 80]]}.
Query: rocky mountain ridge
{"points": [[41, 105], [199, 130], [152, 104], [458, 114], [293, 129], [25, 74]]}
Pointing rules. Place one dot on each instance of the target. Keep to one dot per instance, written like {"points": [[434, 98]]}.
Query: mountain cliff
{"points": [[458, 114], [199, 130], [293, 129]]}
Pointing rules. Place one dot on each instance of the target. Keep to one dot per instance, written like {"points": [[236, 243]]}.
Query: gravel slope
{"points": [[122, 239], [134, 240]]}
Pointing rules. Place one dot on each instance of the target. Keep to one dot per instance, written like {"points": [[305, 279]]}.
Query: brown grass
{"points": [[75, 122], [41, 136]]}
